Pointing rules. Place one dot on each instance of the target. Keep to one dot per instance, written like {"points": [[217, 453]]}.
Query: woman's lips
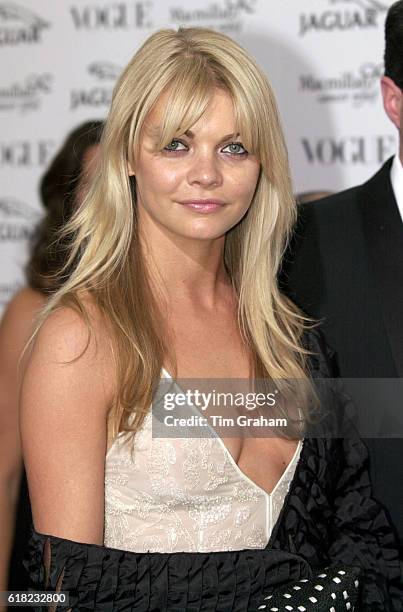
{"points": [[203, 206]]}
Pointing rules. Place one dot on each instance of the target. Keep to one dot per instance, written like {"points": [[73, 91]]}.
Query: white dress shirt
{"points": [[396, 177]]}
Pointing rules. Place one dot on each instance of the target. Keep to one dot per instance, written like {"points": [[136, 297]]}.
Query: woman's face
{"points": [[203, 182]]}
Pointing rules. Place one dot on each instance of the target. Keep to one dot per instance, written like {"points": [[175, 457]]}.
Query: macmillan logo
{"points": [[100, 95], [17, 220], [26, 95], [26, 153], [226, 16], [356, 87], [353, 15], [349, 150], [19, 25], [112, 15]]}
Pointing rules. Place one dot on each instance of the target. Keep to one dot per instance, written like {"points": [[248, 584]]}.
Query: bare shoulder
{"points": [[66, 332], [75, 348]]}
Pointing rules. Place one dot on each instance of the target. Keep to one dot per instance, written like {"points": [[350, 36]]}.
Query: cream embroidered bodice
{"points": [[185, 495]]}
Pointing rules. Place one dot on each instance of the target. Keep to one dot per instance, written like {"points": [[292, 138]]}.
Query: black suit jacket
{"points": [[345, 266]]}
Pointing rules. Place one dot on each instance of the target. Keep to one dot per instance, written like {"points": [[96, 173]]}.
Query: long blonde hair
{"points": [[105, 249]]}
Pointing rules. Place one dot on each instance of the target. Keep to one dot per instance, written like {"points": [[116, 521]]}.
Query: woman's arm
{"points": [[66, 393], [15, 330]]}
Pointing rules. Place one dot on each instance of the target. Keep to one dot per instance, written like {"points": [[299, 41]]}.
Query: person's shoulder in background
{"points": [[311, 196], [20, 313], [329, 206], [16, 327]]}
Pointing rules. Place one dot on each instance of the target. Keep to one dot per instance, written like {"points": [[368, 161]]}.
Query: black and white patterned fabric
{"points": [[333, 590]]}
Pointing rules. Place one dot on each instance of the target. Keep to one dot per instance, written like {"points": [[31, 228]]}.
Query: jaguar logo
{"points": [[9, 11], [373, 5], [96, 95], [105, 71], [17, 220], [359, 15], [20, 25], [11, 208]]}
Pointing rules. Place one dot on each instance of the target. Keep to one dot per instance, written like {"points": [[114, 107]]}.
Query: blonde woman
{"points": [[176, 250]]}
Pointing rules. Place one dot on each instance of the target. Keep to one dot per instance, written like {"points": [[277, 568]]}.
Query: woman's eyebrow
{"points": [[190, 135]]}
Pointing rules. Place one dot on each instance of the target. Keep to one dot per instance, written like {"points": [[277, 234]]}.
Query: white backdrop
{"points": [[60, 59]]}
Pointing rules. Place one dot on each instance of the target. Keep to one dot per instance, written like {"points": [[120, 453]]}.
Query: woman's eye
{"points": [[235, 148], [175, 145]]}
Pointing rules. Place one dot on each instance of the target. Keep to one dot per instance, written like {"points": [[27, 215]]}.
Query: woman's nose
{"points": [[205, 171]]}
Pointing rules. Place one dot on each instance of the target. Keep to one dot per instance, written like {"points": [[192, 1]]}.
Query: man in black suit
{"points": [[345, 266]]}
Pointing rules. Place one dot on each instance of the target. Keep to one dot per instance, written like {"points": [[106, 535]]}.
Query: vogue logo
{"points": [[363, 14], [112, 16], [350, 150], [17, 220], [26, 154], [19, 25], [225, 16], [99, 95], [26, 96], [355, 87]]}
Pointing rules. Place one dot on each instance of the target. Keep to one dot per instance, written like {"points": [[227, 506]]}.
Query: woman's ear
{"points": [[392, 100], [130, 169]]}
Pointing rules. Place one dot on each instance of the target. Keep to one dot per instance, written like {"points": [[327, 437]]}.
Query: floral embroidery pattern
{"points": [[172, 495]]}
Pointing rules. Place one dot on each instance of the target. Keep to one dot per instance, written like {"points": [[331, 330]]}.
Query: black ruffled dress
{"points": [[328, 519]]}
